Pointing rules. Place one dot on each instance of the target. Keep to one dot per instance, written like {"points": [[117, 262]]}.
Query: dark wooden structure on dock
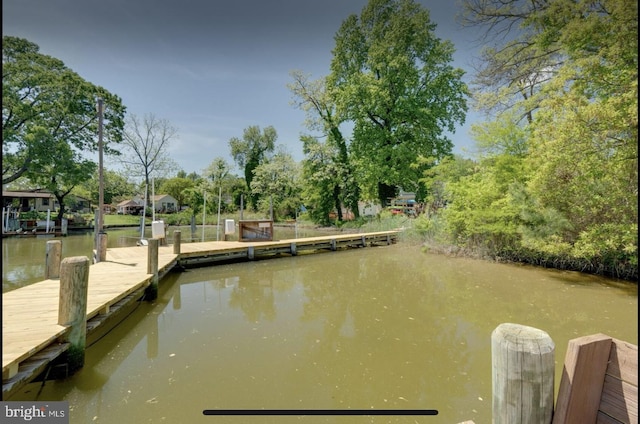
{"points": [[255, 230]]}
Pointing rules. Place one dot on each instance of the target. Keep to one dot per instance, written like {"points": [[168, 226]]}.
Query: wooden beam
{"points": [[582, 379]]}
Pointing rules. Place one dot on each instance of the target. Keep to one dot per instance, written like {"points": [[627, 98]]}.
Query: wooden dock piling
{"points": [[522, 374], [102, 242], [72, 306], [152, 268], [53, 256], [177, 236]]}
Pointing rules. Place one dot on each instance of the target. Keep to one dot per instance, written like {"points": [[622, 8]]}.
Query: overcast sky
{"points": [[212, 68]]}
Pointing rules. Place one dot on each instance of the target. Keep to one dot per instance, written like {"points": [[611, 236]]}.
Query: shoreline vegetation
{"points": [[424, 232], [421, 232]]}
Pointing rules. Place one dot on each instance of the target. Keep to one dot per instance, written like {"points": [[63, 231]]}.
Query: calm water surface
{"points": [[387, 327], [23, 258]]}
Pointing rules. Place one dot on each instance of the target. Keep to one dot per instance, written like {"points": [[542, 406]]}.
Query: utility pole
{"points": [[100, 255]]}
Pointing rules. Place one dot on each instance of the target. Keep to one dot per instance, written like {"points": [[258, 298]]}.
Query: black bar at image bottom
{"points": [[301, 412]]}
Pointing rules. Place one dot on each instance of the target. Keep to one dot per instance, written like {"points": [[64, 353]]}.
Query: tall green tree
{"points": [[392, 77], [217, 171], [62, 175], [177, 188], [220, 181], [331, 171], [278, 184], [44, 102], [50, 121], [321, 189], [251, 151]]}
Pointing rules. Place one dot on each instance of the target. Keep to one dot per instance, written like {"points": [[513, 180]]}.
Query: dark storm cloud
{"points": [[196, 23]]}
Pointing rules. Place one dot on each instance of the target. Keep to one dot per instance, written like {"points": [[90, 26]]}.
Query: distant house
{"points": [[79, 204], [165, 203], [29, 200], [368, 209], [130, 207]]}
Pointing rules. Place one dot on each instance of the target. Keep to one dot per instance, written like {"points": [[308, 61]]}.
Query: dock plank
{"points": [[24, 334]]}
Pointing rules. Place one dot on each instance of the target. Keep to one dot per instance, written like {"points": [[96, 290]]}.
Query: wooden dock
{"points": [[599, 382], [32, 338]]}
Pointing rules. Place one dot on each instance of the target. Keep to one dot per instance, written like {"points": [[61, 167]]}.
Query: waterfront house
{"points": [[29, 200], [165, 203], [130, 207]]}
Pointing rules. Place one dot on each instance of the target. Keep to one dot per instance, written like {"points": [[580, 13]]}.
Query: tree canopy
{"points": [[251, 151], [328, 169], [393, 79], [49, 114], [277, 182], [50, 120], [557, 179]]}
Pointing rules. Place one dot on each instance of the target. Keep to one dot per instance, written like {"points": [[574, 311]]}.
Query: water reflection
{"points": [[254, 297], [385, 327]]}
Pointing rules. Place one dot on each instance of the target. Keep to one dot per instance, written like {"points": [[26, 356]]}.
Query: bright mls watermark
{"points": [[35, 412]]}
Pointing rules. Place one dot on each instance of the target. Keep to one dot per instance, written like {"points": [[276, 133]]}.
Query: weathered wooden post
{"points": [[72, 307], [102, 242], [583, 378], [152, 268], [251, 253], [177, 236], [53, 256], [523, 371]]}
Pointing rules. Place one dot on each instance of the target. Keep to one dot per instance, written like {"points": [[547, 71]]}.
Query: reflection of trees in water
{"points": [[19, 267], [255, 295], [385, 342], [254, 298]]}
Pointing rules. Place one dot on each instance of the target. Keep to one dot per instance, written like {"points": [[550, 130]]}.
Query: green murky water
{"points": [[385, 328]]}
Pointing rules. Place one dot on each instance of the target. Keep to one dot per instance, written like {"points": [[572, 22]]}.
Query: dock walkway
{"points": [[31, 336]]}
